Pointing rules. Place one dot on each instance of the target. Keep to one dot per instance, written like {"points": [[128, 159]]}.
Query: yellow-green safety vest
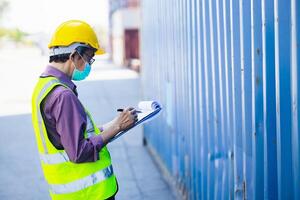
{"points": [[68, 180]]}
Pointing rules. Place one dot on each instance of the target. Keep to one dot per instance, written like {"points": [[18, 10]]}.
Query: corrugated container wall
{"points": [[226, 73]]}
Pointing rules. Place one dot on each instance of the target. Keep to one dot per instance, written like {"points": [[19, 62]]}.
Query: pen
{"points": [[121, 110]]}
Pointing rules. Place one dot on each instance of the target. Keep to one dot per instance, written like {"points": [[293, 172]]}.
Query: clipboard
{"points": [[148, 110]]}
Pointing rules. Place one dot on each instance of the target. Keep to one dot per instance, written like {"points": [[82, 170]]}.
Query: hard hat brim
{"points": [[100, 51]]}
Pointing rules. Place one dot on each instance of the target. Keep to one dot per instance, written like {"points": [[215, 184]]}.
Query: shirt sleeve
{"points": [[70, 121]]}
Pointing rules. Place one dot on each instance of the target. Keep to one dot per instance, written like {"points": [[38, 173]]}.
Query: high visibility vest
{"points": [[68, 180]]}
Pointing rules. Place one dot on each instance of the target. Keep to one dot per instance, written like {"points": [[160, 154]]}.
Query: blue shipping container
{"points": [[226, 73]]}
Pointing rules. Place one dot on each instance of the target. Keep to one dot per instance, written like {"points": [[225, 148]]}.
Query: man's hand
{"points": [[123, 121], [126, 119]]}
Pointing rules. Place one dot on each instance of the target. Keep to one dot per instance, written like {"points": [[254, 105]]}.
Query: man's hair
{"points": [[62, 58]]}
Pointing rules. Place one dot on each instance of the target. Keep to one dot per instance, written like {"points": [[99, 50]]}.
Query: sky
{"points": [[34, 16]]}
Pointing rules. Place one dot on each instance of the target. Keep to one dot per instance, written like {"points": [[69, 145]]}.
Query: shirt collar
{"points": [[61, 76]]}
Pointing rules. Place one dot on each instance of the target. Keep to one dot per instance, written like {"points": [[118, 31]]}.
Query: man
{"points": [[72, 149]]}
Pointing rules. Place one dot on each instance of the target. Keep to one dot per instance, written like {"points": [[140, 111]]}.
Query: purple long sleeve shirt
{"points": [[66, 120]]}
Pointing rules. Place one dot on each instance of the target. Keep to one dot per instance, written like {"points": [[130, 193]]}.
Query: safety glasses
{"points": [[86, 58]]}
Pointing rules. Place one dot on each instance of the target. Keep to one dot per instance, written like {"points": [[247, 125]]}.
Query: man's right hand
{"points": [[126, 119], [123, 121]]}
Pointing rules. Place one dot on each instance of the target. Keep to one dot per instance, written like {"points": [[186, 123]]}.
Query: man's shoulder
{"points": [[60, 93]]}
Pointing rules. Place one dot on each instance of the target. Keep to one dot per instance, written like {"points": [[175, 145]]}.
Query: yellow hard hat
{"points": [[75, 31]]}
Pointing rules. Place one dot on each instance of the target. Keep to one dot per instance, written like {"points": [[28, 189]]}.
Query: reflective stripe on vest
{"points": [[82, 183], [89, 127], [56, 158], [40, 119]]}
